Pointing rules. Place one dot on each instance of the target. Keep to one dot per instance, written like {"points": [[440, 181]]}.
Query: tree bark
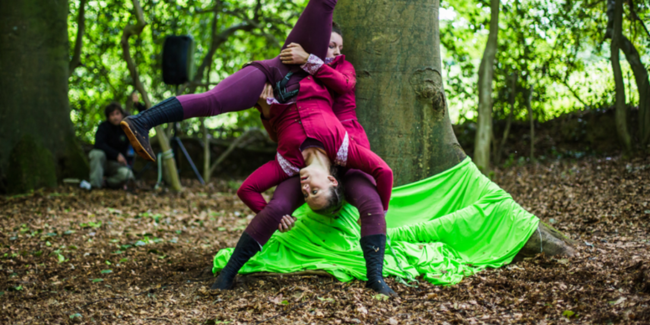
{"points": [[34, 54], [529, 107], [206, 152], [513, 97], [485, 76], [642, 85], [395, 48], [621, 108], [75, 62], [129, 30]]}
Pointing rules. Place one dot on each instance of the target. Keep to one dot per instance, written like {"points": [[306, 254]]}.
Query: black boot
{"points": [[246, 248], [373, 251], [137, 127]]}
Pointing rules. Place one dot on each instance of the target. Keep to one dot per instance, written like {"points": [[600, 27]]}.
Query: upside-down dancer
{"points": [[339, 76], [241, 90]]}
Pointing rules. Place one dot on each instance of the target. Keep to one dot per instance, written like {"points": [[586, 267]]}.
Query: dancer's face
{"points": [[336, 45], [316, 186]]}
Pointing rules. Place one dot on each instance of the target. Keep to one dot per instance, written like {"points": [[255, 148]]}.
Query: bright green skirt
{"points": [[443, 228]]}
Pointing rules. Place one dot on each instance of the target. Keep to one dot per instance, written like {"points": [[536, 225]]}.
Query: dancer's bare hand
{"points": [[286, 223], [294, 54], [267, 92]]}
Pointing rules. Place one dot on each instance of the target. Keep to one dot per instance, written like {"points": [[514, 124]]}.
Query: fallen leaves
{"points": [[158, 246]]}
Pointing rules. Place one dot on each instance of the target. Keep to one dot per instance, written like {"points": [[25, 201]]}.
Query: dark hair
{"points": [[336, 28], [112, 107], [335, 201]]}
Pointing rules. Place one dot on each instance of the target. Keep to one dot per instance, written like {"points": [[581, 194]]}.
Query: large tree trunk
{"points": [[621, 108], [395, 48], [34, 63], [485, 76]]}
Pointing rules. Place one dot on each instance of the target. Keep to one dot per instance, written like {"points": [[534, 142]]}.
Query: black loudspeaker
{"points": [[177, 59]]}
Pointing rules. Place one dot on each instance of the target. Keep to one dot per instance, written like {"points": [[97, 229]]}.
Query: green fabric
{"points": [[443, 228]]}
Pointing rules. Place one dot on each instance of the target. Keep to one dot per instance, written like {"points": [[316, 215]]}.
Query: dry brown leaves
{"points": [[119, 258]]}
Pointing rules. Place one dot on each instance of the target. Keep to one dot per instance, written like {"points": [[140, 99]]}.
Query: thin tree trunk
{"points": [[485, 76], [529, 106], [81, 24], [206, 152], [206, 141], [621, 108], [643, 86], [513, 97], [129, 30]]}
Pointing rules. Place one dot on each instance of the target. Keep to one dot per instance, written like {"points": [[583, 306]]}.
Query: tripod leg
{"points": [[187, 156]]}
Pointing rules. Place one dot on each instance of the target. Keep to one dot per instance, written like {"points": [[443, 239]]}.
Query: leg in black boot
{"points": [[137, 127], [246, 248], [373, 251]]}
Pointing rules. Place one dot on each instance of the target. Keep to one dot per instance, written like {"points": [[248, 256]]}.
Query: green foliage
{"points": [[104, 78], [31, 166], [557, 48]]}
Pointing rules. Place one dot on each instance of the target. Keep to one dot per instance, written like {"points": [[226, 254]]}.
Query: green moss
{"points": [[31, 166], [75, 163]]}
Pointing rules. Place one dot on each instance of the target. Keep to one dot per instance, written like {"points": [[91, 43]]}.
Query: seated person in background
{"points": [[108, 158]]}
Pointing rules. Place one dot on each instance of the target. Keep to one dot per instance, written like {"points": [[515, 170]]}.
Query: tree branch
{"points": [[217, 41], [635, 16], [232, 147], [248, 24], [81, 26]]}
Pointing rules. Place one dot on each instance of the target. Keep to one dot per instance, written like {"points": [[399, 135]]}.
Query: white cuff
{"points": [[272, 100], [312, 65]]}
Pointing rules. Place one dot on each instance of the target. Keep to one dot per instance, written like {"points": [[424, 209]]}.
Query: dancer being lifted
{"points": [[339, 76], [242, 89]]}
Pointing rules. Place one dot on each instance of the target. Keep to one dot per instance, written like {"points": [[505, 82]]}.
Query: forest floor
{"points": [[70, 256]]}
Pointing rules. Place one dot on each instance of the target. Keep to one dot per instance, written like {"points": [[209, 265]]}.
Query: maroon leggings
{"points": [[242, 89], [359, 190]]}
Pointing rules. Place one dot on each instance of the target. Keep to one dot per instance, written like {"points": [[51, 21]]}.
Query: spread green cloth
{"points": [[443, 228]]}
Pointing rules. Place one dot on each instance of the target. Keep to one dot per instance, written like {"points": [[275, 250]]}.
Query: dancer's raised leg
{"points": [[314, 27], [238, 92]]}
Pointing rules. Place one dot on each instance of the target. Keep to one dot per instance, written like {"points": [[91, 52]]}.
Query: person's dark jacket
{"points": [[112, 140]]}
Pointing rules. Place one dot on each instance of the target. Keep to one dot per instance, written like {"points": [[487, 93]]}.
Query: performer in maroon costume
{"points": [[242, 89], [359, 188]]}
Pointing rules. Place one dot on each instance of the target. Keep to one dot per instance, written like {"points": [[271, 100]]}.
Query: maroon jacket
{"points": [[312, 117]]}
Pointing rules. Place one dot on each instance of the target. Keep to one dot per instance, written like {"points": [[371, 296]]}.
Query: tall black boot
{"points": [[246, 248], [137, 127], [373, 251]]}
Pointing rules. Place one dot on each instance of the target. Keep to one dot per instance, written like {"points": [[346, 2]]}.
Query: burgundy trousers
{"points": [[242, 89]]}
